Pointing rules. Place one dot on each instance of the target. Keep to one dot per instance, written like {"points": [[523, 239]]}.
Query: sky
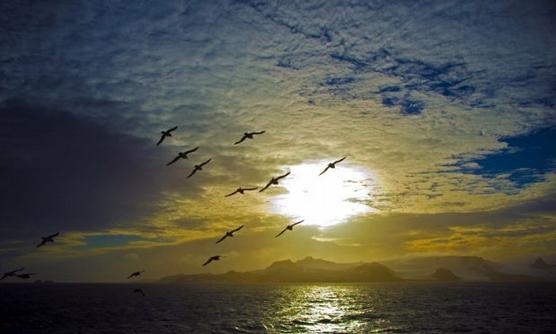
{"points": [[444, 110]]}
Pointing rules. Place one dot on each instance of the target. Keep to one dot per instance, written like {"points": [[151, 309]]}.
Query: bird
{"points": [[139, 290], [49, 238], [229, 234], [274, 180], [249, 135], [26, 275], [182, 155], [241, 191], [11, 273], [212, 258], [137, 273], [289, 228], [332, 165], [167, 133], [198, 167]]}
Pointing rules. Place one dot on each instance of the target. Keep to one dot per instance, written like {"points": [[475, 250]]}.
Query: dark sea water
{"points": [[292, 308]]}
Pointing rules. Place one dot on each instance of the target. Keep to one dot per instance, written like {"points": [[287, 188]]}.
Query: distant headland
{"points": [[433, 269]]}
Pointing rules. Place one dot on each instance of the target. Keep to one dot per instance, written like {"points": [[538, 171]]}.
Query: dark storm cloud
{"points": [[61, 171]]}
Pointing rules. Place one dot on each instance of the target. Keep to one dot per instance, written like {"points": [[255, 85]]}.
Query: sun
{"points": [[324, 200]]}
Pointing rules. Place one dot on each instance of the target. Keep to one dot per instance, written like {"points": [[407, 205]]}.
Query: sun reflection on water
{"points": [[321, 309]]}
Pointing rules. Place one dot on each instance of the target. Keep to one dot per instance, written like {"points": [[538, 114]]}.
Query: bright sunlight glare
{"points": [[324, 200]]}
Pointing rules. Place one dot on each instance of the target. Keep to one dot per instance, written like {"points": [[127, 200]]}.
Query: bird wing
{"points": [[12, 272], [222, 239], [279, 234], [42, 243], [231, 194], [206, 162], [266, 187], [130, 276], [339, 160], [192, 150], [175, 159], [192, 173], [241, 140], [282, 176], [237, 229], [172, 129], [253, 188], [208, 261], [258, 133], [54, 235], [161, 140], [299, 222], [324, 171]]}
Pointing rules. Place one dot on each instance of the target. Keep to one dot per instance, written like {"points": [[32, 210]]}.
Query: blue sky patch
{"points": [[526, 159], [411, 107], [408, 105]]}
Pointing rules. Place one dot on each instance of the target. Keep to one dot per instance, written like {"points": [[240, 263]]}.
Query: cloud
{"points": [[63, 171], [444, 104]]}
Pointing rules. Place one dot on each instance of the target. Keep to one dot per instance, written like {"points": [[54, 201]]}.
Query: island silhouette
{"points": [[309, 269]]}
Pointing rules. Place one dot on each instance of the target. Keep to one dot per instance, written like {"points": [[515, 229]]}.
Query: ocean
{"points": [[279, 308]]}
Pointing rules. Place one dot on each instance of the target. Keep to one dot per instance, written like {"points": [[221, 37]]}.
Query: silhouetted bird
{"points": [[11, 273], [167, 133], [248, 135], [229, 234], [289, 228], [198, 167], [182, 155], [332, 165], [274, 181], [49, 238], [212, 258], [26, 275], [241, 191], [137, 273], [138, 290]]}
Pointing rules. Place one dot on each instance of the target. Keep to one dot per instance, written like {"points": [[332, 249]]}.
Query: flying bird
{"points": [[288, 228], [212, 258], [182, 155], [241, 191], [137, 273], [248, 135], [332, 165], [26, 275], [198, 167], [11, 273], [229, 234], [167, 133], [138, 290], [49, 238], [274, 181]]}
